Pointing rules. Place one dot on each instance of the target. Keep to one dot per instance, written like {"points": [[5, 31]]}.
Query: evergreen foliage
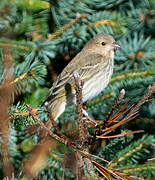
{"points": [[43, 36]]}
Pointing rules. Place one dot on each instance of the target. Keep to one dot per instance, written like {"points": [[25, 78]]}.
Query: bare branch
{"points": [[115, 106], [82, 125], [132, 112]]}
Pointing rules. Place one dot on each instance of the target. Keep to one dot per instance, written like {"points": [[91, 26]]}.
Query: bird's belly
{"points": [[96, 84]]}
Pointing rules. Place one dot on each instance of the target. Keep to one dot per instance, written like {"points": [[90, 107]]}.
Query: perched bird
{"points": [[94, 64]]}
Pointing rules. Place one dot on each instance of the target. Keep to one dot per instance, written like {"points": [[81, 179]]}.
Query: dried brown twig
{"points": [[111, 121], [114, 107]]}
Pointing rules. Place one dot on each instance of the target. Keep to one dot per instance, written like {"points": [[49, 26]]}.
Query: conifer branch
{"points": [[25, 75], [151, 90], [82, 126], [103, 22], [3, 44], [24, 29], [131, 74], [105, 127], [132, 149], [100, 99], [114, 107], [43, 125], [21, 77], [65, 27], [139, 168]]}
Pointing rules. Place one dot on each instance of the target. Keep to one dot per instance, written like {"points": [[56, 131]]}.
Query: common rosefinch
{"points": [[94, 64]]}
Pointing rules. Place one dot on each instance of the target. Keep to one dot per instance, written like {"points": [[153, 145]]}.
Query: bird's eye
{"points": [[103, 43]]}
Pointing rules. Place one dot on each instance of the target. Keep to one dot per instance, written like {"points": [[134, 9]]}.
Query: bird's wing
{"points": [[85, 69]]}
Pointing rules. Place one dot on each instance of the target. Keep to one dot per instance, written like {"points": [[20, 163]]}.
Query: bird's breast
{"points": [[98, 81]]}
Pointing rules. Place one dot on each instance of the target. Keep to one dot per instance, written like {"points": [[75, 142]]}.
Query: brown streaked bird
{"points": [[94, 64]]}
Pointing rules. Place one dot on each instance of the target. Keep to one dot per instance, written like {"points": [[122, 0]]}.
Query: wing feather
{"points": [[84, 68]]}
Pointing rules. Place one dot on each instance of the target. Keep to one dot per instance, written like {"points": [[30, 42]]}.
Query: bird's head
{"points": [[102, 43]]}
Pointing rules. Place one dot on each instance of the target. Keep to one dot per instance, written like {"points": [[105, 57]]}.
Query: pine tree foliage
{"points": [[43, 36], [133, 152], [131, 157], [136, 52]]}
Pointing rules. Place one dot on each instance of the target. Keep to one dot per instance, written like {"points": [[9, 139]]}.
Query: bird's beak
{"points": [[116, 46]]}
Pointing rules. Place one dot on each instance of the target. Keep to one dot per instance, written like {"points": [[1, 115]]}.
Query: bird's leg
{"points": [[88, 117]]}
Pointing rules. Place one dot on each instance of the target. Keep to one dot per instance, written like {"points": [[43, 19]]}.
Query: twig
{"points": [[132, 113], [119, 135], [8, 45], [82, 125], [43, 125], [109, 171], [66, 26], [55, 127], [83, 128], [91, 168], [81, 173], [108, 119], [21, 77], [114, 107], [131, 74], [151, 90], [63, 139]]}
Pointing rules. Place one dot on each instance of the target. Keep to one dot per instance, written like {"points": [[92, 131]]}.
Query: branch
{"points": [[21, 77], [4, 44], [131, 74], [82, 125], [83, 128], [132, 111], [85, 154], [109, 173], [66, 26], [114, 107], [43, 125], [103, 22]]}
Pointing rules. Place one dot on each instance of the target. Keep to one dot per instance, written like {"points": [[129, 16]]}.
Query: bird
{"points": [[94, 65]]}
